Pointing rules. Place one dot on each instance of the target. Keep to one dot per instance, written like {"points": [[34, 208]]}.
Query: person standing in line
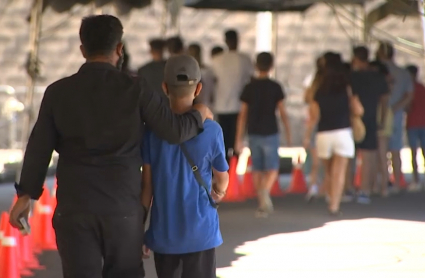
{"points": [[208, 78], [331, 110], [95, 120], [175, 46], [233, 71], [372, 90], [400, 98], [260, 100], [310, 92], [153, 71], [416, 125], [216, 50], [382, 177], [184, 227]]}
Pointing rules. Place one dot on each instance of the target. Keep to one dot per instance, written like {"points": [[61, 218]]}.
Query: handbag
{"points": [[357, 125], [197, 175]]}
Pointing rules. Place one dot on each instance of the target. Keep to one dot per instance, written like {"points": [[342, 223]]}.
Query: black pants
{"points": [[192, 265], [92, 246], [228, 124]]}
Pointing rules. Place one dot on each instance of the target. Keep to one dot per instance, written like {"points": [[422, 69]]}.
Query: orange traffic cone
{"points": [[248, 185], [298, 184], [276, 192], [20, 253], [45, 233], [9, 267], [234, 193], [31, 260], [403, 183], [358, 174]]}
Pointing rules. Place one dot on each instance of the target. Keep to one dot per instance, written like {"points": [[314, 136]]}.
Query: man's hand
{"points": [[19, 210], [204, 110], [146, 252], [238, 147]]}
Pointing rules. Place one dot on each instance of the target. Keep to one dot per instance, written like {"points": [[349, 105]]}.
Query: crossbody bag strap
{"points": [[198, 176]]}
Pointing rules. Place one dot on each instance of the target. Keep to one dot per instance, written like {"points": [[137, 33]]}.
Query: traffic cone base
{"points": [[9, 267]]}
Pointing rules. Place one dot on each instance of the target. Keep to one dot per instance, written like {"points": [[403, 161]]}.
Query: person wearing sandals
{"points": [[331, 110]]}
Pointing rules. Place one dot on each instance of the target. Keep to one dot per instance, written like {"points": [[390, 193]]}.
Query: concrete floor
{"points": [[384, 239]]}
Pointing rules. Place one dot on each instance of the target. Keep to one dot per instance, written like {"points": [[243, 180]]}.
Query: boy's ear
{"points": [[83, 51], [198, 89], [165, 89], [119, 49]]}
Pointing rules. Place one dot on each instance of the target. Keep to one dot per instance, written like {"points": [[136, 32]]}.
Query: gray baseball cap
{"points": [[182, 70]]}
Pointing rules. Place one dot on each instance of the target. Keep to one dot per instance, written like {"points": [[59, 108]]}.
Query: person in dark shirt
{"points": [[175, 46], [216, 50], [153, 71], [95, 120], [330, 111], [260, 100], [372, 90], [415, 125]]}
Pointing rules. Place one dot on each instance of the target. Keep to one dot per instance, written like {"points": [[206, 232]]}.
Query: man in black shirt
{"points": [[153, 71], [372, 90], [94, 120]]}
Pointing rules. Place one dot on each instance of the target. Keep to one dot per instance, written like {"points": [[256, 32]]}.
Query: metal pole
{"points": [[28, 118], [275, 40]]}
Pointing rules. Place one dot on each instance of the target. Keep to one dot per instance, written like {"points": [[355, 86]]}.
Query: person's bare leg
{"points": [[349, 176], [313, 189], [257, 178], [396, 160], [383, 163], [338, 171], [368, 170], [269, 178], [327, 179], [415, 166]]}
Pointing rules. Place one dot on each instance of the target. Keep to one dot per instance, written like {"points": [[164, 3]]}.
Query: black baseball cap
{"points": [[182, 70]]}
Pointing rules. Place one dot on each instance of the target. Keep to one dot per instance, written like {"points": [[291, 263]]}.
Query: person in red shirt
{"points": [[415, 124]]}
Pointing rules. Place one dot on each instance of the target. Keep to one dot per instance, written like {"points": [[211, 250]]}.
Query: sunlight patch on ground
{"points": [[376, 248]]}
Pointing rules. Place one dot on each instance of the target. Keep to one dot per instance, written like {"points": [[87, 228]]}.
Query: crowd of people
{"points": [[381, 94], [106, 122]]}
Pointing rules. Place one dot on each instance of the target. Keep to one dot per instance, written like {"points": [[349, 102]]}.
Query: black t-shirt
{"points": [[369, 86], [153, 72], [262, 97], [334, 110]]}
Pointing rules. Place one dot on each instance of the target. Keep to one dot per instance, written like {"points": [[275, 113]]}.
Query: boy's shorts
{"points": [[264, 152], [192, 265]]}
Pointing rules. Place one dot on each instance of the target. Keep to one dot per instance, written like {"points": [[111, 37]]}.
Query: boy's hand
{"points": [[217, 196], [146, 252]]}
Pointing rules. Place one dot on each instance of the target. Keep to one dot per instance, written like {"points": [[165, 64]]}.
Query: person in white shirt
{"points": [[233, 71]]}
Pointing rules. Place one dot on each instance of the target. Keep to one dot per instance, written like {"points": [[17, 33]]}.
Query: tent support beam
{"points": [[34, 42]]}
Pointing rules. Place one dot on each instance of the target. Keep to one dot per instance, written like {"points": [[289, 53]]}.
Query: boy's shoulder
{"points": [[212, 127], [261, 82]]}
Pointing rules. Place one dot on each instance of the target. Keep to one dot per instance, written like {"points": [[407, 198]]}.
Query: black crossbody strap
{"points": [[198, 176]]}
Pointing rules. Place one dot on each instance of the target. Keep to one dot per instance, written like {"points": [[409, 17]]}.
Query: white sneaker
{"points": [[414, 187], [312, 192]]}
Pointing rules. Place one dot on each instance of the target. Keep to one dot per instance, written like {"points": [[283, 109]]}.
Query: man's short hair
{"points": [[216, 50], [265, 61], [382, 68], [175, 45], [231, 35], [412, 69], [387, 49], [157, 45], [361, 53], [100, 34]]}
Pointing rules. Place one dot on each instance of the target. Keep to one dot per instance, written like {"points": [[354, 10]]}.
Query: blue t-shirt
{"points": [[182, 218]]}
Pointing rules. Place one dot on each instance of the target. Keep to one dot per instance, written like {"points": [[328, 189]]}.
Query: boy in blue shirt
{"points": [[184, 227]]}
